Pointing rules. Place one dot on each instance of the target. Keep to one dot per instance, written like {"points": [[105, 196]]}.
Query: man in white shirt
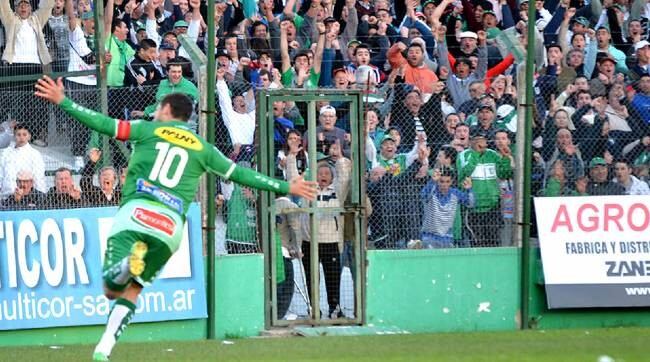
{"points": [[238, 119], [25, 54], [624, 177], [82, 88], [21, 156]]}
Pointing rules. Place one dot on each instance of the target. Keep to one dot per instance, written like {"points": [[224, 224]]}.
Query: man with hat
{"points": [[485, 167], [642, 50], [328, 133], [166, 52], [25, 196], [603, 44], [599, 183], [463, 75], [485, 122]]}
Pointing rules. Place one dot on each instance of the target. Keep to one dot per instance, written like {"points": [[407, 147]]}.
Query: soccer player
{"points": [[163, 175]]}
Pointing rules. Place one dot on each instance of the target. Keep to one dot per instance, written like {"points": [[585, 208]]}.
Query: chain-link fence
{"points": [[591, 134]]}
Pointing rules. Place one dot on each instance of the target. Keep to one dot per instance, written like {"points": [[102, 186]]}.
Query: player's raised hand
{"points": [[302, 188], [49, 90]]}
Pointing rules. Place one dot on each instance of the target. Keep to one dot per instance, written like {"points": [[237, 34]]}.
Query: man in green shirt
{"points": [[485, 166], [175, 83], [163, 175], [304, 73]]}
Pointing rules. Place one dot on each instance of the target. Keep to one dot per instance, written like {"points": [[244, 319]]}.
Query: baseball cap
{"points": [[581, 20], [387, 137], [605, 57], [597, 161], [489, 12], [221, 52], [486, 106], [424, 5], [181, 24], [468, 34], [329, 19], [326, 109], [88, 15], [641, 44], [167, 46], [353, 42]]}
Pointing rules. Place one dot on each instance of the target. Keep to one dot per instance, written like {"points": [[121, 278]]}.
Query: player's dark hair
{"points": [[181, 106]]}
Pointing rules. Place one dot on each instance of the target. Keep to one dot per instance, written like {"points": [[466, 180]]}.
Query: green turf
{"points": [[621, 344]]}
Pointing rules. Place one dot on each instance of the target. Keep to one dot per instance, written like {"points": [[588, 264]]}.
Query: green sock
{"points": [[118, 319]]}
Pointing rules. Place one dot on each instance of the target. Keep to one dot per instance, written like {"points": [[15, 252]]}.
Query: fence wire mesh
{"points": [[440, 107]]}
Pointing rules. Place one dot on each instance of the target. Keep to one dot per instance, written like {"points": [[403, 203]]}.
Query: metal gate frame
{"points": [[357, 206]]}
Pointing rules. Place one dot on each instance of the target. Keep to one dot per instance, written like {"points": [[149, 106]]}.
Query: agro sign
{"points": [[595, 250]]}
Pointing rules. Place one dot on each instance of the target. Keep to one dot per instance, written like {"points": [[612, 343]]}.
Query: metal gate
{"points": [[290, 269]]}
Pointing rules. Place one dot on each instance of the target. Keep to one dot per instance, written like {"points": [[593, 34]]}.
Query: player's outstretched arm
{"points": [[303, 188], [54, 92], [217, 163]]}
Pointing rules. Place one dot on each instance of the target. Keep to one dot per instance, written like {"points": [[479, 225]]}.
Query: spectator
{"points": [[142, 75], [570, 155], [57, 25], [82, 58], [21, 156], [237, 113], [141, 70], [557, 183], [599, 183], [458, 83], [241, 223], [175, 83], [64, 194], [25, 196], [415, 72], [624, 177], [6, 133], [26, 53], [333, 187], [484, 166], [303, 73], [328, 134], [441, 202], [105, 194]]}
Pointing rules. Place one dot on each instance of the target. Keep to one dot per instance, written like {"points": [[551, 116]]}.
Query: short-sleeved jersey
{"points": [[168, 159]]}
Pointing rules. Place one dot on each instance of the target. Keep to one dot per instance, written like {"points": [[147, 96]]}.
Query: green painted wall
{"points": [[183, 330], [443, 290], [543, 318], [239, 295]]}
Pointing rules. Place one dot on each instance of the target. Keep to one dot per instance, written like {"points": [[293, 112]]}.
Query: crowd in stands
{"points": [[440, 103]]}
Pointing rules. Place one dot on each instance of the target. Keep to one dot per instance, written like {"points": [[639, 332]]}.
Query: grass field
{"points": [[619, 344]]}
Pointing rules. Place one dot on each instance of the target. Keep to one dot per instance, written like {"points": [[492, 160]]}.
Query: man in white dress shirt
{"points": [[21, 156]]}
